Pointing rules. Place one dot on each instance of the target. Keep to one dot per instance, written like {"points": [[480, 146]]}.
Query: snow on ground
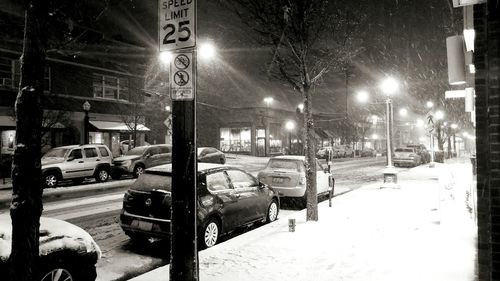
{"points": [[421, 231]]}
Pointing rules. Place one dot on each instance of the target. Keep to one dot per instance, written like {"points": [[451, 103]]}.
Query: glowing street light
{"points": [[301, 107], [268, 101], [166, 57], [429, 104], [403, 112], [362, 96], [420, 123], [389, 86], [206, 50], [439, 115]]}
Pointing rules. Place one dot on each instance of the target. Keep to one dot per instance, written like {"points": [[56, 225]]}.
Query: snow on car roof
{"points": [[290, 157], [55, 235], [167, 168]]}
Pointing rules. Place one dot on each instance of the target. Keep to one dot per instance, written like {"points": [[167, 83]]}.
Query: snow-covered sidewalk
{"points": [[423, 230]]}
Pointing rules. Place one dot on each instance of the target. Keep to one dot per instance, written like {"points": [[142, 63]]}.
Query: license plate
{"points": [[142, 225], [278, 180]]}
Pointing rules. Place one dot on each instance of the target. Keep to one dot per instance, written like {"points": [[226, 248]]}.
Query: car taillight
{"points": [[302, 180]]}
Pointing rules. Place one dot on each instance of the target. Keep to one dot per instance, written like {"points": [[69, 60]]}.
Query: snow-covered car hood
{"points": [[126, 157], [55, 235], [52, 160]]}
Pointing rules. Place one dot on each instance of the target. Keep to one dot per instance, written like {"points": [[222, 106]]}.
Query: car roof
{"points": [[202, 168], [78, 145]]}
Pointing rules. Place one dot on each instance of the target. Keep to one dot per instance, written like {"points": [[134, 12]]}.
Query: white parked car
{"points": [[67, 252], [286, 175]]}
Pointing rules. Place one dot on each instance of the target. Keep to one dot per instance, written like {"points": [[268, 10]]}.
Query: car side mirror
{"points": [[261, 185]]}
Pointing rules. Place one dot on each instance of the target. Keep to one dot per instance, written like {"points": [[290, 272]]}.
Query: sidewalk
{"points": [[423, 230]]}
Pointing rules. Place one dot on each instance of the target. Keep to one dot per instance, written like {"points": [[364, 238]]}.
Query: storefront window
{"points": [[275, 138], [7, 141], [235, 140]]}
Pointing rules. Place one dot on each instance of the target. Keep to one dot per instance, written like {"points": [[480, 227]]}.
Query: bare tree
{"points": [[307, 38], [26, 206]]}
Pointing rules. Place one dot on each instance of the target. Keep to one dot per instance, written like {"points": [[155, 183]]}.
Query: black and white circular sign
{"points": [[181, 61], [181, 78]]}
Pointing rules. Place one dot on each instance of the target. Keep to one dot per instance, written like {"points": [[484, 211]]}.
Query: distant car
{"points": [[211, 155], [421, 150], [406, 156], [228, 198], [67, 252], [324, 152], [125, 146], [287, 175], [367, 152], [136, 160], [76, 162], [343, 150]]}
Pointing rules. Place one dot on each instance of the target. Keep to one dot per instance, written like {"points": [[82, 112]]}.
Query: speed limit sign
{"points": [[177, 24]]}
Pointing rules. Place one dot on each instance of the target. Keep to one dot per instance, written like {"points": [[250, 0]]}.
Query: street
{"points": [[121, 259]]}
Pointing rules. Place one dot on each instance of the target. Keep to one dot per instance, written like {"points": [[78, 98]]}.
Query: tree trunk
{"points": [[26, 206], [311, 189]]}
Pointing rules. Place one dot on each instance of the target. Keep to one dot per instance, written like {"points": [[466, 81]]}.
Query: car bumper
{"points": [[120, 170], [292, 191], [403, 161], [153, 227]]}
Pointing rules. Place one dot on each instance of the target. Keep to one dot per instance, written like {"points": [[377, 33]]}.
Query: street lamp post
{"points": [[267, 101], [86, 108], [389, 86], [290, 125]]}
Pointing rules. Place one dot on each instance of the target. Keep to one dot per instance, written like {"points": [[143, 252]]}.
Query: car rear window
{"points": [[104, 152], [285, 164], [149, 181]]}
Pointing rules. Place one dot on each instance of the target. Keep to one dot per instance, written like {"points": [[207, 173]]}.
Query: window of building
{"points": [[235, 140], [10, 74], [110, 87]]}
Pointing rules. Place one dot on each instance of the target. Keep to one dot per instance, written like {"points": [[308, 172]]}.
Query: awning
{"points": [[7, 121], [115, 126], [330, 134], [320, 133]]}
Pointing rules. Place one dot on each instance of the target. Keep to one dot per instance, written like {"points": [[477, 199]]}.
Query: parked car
{"points": [[343, 150], [406, 156], [324, 152], [421, 150], [228, 198], [211, 155], [136, 160], [67, 252], [286, 174], [367, 152], [76, 162]]}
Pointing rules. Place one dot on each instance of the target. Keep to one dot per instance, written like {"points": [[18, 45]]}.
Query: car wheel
{"points": [[50, 180], [272, 211], [138, 170], [68, 267], [210, 233], [102, 175]]}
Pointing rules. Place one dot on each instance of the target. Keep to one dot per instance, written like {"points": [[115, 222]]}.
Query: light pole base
{"points": [[390, 178]]}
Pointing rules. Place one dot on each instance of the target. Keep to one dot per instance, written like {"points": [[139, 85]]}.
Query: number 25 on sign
{"points": [[177, 24]]}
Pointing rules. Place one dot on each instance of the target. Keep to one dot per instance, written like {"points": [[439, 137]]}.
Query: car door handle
{"points": [[98, 160], [80, 161]]}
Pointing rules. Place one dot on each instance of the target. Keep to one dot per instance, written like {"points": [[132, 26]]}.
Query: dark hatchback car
{"points": [[228, 198], [211, 155]]}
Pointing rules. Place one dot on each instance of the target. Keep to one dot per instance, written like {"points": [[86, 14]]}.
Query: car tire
{"points": [[210, 233], [67, 266], [272, 211], [102, 175], [138, 170], [50, 179]]}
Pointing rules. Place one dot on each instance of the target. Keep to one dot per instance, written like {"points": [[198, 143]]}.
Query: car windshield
{"points": [[137, 150], [56, 152], [404, 150], [284, 164]]}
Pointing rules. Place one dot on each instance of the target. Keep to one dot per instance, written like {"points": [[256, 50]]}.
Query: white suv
{"points": [[76, 162]]}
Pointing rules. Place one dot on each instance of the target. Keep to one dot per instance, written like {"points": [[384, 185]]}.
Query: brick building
{"points": [[487, 62]]}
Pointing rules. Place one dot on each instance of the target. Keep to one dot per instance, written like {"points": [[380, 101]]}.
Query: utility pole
{"points": [[178, 38]]}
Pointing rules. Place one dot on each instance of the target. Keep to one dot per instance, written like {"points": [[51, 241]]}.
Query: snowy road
{"points": [[121, 260]]}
